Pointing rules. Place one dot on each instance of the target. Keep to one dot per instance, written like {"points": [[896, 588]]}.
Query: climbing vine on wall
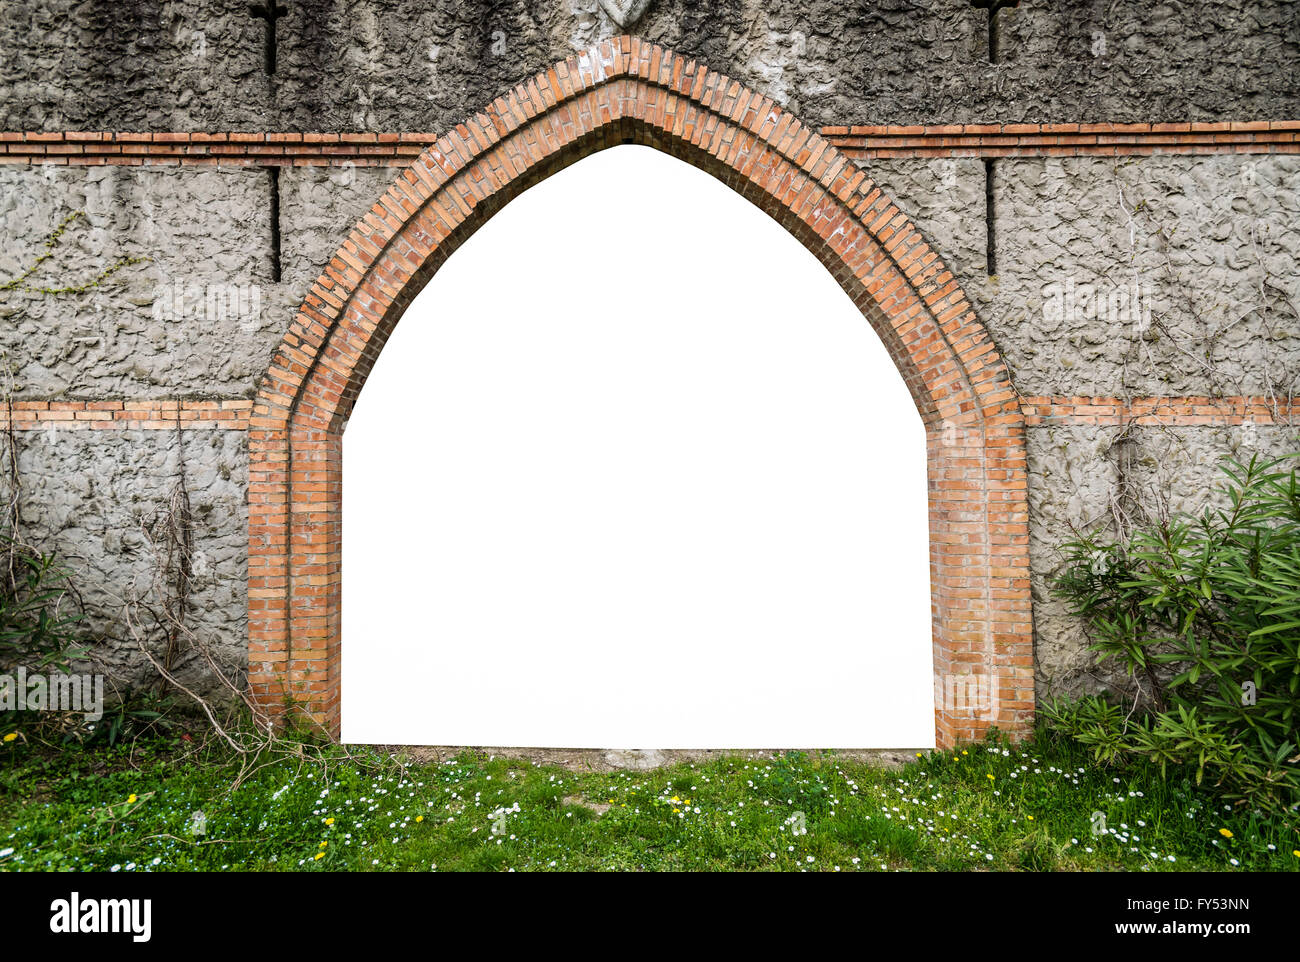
{"points": [[21, 282], [39, 602]]}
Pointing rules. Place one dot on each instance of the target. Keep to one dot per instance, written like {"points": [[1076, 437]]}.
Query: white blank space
{"points": [[632, 471]]}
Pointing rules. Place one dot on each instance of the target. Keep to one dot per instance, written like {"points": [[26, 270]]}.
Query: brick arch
{"points": [[625, 90]]}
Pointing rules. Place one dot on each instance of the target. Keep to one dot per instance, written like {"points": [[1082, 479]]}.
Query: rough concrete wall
{"points": [[202, 315], [196, 227], [1216, 239], [105, 64], [317, 209], [1074, 472], [85, 497], [944, 197], [420, 65], [1212, 242], [148, 331]]}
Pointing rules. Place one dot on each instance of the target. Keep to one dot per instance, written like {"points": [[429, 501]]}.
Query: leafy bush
{"points": [[1204, 613], [38, 610]]}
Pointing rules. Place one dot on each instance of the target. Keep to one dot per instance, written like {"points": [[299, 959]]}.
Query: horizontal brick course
{"points": [[1172, 411], [234, 413], [162, 414], [859, 142]]}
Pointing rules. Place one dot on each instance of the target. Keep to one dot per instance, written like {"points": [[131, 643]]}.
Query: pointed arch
{"points": [[627, 91]]}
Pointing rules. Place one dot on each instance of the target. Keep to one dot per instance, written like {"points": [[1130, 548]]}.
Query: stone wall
{"points": [[92, 498], [412, 65], [1211, 243], [1075, 472]]}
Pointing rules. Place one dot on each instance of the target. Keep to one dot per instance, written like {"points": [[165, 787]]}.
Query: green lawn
{"points": [[987, 807]]}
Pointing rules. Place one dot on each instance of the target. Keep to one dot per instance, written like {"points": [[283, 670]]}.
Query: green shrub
{"points": [[1204, 614], [39, 613]]}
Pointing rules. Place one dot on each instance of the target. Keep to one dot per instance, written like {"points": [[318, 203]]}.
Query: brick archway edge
{"points": [[625, 90]]}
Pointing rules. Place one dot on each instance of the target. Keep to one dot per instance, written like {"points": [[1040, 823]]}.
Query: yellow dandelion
{"points": [[329, 821], [989, 777], [965, 752], [1225, 833], [319, 856], [11, 736], [1296, 852], [1030, 817], [677, 811], [419, 818], [323, 844], [130, 799]]}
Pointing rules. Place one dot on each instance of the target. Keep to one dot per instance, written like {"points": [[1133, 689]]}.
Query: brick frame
{"points": [[624, 91]]}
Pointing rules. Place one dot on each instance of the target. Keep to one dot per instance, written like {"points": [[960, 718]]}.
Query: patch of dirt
{"points": [[608, 759], [600, 808]]}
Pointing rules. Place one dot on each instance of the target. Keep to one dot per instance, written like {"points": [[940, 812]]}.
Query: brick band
{"points": [[95, 148], [160, 415], [233, 413], [1171, 411], [1067, 140]]}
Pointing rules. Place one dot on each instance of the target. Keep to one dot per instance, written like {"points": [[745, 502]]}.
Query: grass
{"points": [[990, 806]]}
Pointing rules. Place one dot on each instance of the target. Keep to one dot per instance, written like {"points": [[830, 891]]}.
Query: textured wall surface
{"points": [[1211, 244], [1215, 238], [89, 496], [1076, 471], [196, 227], [206, 233], [412, 65]]}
